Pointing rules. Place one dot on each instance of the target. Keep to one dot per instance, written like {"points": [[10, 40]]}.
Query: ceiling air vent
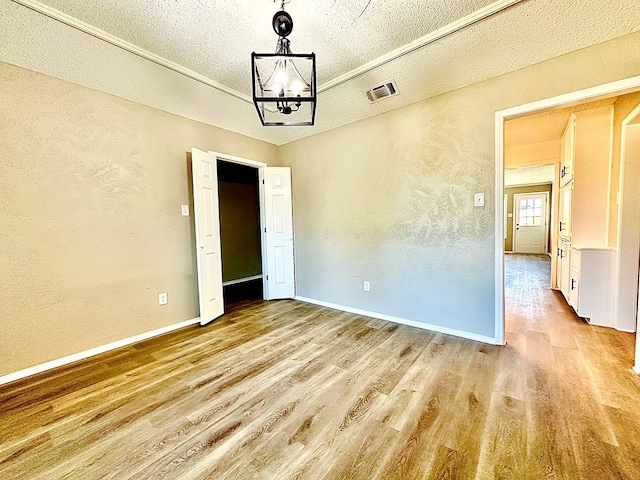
{"points": [[382, 91]]}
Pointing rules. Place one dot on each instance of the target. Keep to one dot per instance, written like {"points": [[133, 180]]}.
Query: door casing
{"points": [[620, 87], [261, 187]]}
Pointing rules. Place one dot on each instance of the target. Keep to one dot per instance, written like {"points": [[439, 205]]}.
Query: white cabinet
{"points": [[564, 268], [590, 289], [591, 164], [586, 159], [568, 151], [586, 268], [566, 211]]}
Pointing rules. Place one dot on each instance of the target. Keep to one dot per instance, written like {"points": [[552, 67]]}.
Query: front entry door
{"points": [[207, 220], [530, 234]]}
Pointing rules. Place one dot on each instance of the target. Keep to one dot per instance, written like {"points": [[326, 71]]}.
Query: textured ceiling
{"points": [[212, 41], [529, 175], [216, 38], [545, 126]]}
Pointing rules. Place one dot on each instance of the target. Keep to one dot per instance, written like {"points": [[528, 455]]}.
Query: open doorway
{"points": [[240, 237], [594, 233], [276, 231]]}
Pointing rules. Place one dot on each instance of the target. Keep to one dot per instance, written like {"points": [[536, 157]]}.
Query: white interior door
{"points": [[207, 221], [530, 235], [277, 235]]}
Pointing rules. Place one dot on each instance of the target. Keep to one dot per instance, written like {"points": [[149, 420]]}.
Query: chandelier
{"points": [[284, 83]]}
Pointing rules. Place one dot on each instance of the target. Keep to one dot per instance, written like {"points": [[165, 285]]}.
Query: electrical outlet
{"points": [[163, 299], [367, 286], [185, 210]]}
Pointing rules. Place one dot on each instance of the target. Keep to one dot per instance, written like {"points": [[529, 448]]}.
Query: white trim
{"points": [[529, 184], [619, 87], [636, 368], [623, 160], [500, 232], [625, 330], [453, 27], [261, 206], [402, 321], [240, 160], [43, 367], [241, 280], [128, 47], [421, 42]]}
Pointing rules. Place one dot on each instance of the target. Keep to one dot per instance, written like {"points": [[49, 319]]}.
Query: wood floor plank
{"points": [[286, 390]]}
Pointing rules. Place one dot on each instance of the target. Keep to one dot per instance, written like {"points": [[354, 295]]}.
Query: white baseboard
{"points": [[624, 330], [27, 372], [402, 321], [636, 368], [241, 280]]}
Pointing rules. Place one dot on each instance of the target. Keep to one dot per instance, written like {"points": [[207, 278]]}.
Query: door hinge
{"points": [[263, 181], [267, 278]]}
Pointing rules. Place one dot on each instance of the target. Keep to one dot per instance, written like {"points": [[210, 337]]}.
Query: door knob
{"points": [[201, 247]]}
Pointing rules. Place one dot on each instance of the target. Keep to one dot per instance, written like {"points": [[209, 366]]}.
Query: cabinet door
{"points": [[565, 269], [566, 211], [574, 281], [568, 152]]}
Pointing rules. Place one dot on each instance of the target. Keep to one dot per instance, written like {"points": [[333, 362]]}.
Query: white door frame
{"points": [[620, 87], [625, 254], [259, 165], [262, 190], [546, 219]]}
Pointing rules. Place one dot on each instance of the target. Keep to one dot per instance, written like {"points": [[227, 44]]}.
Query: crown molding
{"points": [[127, 46], [417, 44], [421, 42]]}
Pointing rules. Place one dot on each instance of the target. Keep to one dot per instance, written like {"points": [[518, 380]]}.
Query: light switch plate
{"points": [[185, 210], [478, 200]]}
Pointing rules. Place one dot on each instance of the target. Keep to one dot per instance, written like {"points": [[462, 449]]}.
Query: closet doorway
{"points": [[240, 239], [275, 229]]}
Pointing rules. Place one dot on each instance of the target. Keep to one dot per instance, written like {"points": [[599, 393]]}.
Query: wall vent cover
{"points": [[385, 90]]}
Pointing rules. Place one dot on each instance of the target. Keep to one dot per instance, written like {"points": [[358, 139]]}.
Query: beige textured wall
{"points": [[389, 199], [91, 231]]}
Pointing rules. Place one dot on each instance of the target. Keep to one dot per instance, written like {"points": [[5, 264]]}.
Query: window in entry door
{"points": [[530, 212]]}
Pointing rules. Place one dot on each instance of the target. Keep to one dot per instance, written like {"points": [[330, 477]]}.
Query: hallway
{"points": [[578, 384]]}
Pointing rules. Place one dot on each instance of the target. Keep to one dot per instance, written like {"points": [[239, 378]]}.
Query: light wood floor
{"points": [[286, 390]]}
